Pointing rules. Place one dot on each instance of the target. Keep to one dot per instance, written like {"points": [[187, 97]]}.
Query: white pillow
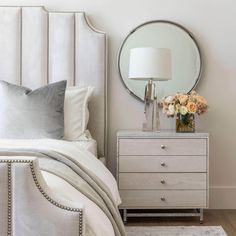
{"points": [[76, 114]]}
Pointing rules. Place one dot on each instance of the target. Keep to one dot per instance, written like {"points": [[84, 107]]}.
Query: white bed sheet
{"points": [[90, 145], [87, 142]]}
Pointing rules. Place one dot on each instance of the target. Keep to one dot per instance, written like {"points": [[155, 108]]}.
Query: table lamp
{"points": [[151, 64]]}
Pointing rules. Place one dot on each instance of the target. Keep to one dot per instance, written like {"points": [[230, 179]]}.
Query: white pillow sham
{"points": [[76, 114]]}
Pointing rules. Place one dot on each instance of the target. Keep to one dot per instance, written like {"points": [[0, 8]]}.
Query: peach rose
{"points": [[183, 98], [192, 107], [201, 99]]}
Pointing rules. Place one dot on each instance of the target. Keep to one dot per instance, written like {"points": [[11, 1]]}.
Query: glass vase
{"points": [[185, 123]]}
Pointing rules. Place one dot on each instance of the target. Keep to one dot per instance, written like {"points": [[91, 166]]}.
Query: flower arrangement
{"points": [[184, 104]]}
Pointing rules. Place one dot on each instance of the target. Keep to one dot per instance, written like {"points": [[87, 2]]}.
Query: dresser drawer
{"points": [[163, 198], [162, 164], [150, 181], [162, 147]]}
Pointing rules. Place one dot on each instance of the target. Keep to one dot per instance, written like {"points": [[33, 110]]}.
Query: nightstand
{"points": [[163, 170]]}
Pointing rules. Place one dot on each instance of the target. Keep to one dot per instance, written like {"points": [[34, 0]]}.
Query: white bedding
{"points": [[87, 142], [90, 145], [96, 221]]}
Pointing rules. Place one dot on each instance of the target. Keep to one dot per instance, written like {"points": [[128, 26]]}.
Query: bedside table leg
{"points": [[201, 216], [125, 215]]}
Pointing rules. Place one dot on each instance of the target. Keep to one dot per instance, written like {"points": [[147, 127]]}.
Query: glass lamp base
{"points": [[152, 121]]}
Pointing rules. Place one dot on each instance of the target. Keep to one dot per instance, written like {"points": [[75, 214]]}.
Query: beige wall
{"points": [[213, 22]]}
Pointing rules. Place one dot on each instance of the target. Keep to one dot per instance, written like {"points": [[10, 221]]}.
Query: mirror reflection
{"points": [[185, 57]]}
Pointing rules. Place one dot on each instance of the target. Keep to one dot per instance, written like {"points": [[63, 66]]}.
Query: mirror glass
{"points": [[185, 57]]}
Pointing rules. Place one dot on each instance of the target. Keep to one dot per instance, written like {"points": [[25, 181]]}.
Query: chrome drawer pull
{"points": [[163, 146], [163, 199], [163, 164], [163, 181]]}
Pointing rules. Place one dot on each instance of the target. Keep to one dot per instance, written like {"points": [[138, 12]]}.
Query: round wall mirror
{"points": [[185, 57]]}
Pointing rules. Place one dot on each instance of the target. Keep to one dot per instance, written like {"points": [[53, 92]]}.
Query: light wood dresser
{"points": [[163, 170]]}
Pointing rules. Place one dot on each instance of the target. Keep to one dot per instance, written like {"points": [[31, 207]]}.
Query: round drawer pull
{"points": [[163, 181], [163, 164], [163, 146], [163, 199]]}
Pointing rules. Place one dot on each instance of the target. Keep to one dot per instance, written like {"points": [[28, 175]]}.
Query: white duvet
{"points": [[96, 221]]}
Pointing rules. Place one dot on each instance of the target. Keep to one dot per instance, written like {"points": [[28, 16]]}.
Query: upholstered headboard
{"points": [[38, 47]]}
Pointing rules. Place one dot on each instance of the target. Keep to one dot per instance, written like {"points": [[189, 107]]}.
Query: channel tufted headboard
{"points": [[38, 47]]}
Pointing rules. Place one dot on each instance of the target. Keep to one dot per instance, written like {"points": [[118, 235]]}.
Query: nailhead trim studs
{"points": [[9, 219]]}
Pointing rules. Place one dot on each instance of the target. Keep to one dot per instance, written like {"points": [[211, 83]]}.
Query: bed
{"points": [[49, 186]]}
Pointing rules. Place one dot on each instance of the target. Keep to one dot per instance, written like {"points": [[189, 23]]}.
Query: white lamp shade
{"points": [[150, 63]]}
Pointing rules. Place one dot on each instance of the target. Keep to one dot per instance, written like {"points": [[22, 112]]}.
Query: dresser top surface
{"points": [[161, 134]]}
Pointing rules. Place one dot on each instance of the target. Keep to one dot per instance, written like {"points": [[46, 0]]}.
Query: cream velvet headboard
{"points": [[38, 47]]}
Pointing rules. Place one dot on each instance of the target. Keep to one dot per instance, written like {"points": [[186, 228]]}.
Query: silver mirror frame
{"points": [[159, 21]]}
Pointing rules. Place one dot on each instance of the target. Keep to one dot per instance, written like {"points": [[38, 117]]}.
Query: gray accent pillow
{"points": [[27, 114]]}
